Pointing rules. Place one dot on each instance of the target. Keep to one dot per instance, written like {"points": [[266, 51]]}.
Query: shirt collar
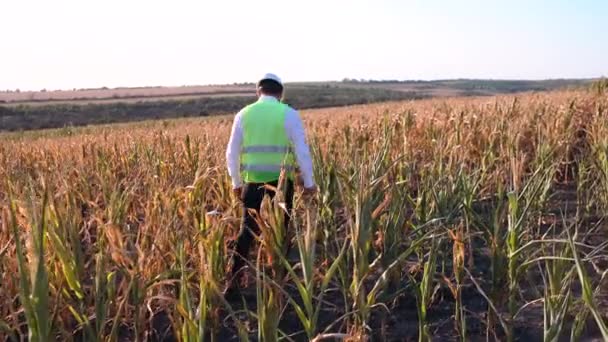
{"points": [[269, 98]]}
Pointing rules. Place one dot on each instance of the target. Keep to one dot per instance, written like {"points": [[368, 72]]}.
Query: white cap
{"points": [[273, 77]]}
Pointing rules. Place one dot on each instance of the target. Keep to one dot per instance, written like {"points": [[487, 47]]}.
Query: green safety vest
{"points": [[266, 150]]}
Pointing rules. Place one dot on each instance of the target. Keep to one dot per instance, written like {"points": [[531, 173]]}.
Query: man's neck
{"points": [[265, 97]]}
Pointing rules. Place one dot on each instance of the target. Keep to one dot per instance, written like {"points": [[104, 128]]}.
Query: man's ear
{"points": [[258, 91]]}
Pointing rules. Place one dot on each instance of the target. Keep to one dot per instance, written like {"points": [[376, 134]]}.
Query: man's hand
{"points": [[309, 193], [238, 192]]}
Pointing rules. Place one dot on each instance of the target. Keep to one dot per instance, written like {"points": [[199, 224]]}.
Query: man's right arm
{"points": [[295, 131], [233, 152]]}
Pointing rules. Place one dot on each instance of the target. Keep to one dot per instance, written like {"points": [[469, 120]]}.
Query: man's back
{"points": [[292, 128], [266, 148]]}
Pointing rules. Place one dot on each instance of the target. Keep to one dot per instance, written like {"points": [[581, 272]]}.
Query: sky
{"points": [[65, 44]]}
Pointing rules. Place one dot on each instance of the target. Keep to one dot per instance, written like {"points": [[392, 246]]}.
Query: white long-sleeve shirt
{"points": [[295, 133]]}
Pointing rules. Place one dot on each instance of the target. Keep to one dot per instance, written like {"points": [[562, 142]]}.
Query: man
{"points": [[267, 137]]}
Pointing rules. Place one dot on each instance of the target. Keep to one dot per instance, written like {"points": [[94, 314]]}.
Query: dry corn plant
{"points": [[121, 232]]}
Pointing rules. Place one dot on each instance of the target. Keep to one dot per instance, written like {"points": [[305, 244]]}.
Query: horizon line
{"points": [[344, 80]]}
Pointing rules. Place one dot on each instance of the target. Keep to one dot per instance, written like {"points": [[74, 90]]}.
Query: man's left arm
{"points": [[233, 152]]}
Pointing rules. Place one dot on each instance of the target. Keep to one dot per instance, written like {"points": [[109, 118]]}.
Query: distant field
{"points": [[439, 88], [121, 93], [52, 109], [60, 113]]}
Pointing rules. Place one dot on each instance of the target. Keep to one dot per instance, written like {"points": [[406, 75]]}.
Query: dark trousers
{"points": [[253, 194]]}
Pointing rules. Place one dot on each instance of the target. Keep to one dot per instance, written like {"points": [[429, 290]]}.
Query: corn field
{"points": [[447, 219]]}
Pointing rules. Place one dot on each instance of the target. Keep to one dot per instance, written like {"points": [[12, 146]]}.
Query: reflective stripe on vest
{"points": [[266, 149], [267, 168]]}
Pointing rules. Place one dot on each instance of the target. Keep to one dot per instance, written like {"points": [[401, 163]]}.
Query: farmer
{"points": [[267, 137]]}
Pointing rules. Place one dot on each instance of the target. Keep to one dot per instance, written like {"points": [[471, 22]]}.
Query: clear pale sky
{"points": [[63, 44]]}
